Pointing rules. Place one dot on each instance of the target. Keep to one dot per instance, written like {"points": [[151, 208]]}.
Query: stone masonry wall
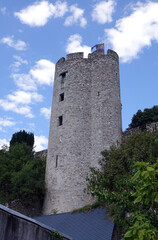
{"points": [[150, 127], [23, 208], [91, 115]]}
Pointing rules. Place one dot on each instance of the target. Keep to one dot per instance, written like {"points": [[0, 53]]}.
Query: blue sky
{"points": [[35, 34]]}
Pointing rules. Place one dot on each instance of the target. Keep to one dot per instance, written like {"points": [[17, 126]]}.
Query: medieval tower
{"points": [[85, 120]]}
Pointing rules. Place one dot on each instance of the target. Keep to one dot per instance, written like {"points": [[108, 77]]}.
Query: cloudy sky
{"points": [[35, 34]]}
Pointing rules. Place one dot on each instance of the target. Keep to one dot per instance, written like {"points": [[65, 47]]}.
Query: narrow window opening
{"points": [[61, 97], [116, 74], [63, 78], [98, 94], [60, 120], [56, 163]]}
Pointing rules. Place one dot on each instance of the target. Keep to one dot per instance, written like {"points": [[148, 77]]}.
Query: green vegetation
{"points": [[145, 218], [140, 119], [87, 208], [56, 236], [22, 137], [129, 200], [21, 175]]}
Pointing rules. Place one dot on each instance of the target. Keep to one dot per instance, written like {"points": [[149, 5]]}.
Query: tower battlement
{"points": [[96, 54], [85, 120]]}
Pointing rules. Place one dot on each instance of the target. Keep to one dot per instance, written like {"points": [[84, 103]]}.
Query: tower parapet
{"points": [[113, 54], [60, 61], [85, 120], [97, 53], [80, 55], [72, 56]]}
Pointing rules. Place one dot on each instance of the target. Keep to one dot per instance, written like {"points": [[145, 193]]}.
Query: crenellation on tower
{"points": [[84, 123], [113, 54], [72, 56], [99, 53], [60, 61]]}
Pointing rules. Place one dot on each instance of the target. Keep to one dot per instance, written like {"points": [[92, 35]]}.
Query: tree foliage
{"points": [[21, 175], [145, 224], [113, 185], [140, 119], [22, 137]]}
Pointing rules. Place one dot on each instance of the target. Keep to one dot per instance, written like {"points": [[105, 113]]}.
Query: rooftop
{"points": [[94, 225]]}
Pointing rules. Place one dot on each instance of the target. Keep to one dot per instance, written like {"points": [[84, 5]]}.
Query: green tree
{"points": [[140, 119], [113, 185], [22, 137], [5, 181], [21, 175]]}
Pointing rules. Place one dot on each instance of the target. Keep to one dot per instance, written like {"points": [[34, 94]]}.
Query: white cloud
{"points": [[15, 66], [3, 10], [20, 101], [18, 45], [6, 122], [76, 17], [3, 142], [60, 9], [102, 11], [24, 82], [17, 108], [20, 60], [40, 12], [134, 32], [18, 63], [74, 45], [43, 72], [21, 97], [41, 143], [45, 112]]}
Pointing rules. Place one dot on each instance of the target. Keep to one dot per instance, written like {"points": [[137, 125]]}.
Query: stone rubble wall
{"points": [[27, 210], [150, 127], [42, 154]]}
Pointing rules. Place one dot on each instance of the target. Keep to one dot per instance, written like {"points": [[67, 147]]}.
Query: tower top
{"points": [[96, 54]]}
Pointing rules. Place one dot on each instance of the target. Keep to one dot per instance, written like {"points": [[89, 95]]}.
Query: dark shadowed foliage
{"points": [[140, 119], [22, 137]]}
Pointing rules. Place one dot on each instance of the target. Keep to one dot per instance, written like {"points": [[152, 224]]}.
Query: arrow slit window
{"points": [[60, 120]]}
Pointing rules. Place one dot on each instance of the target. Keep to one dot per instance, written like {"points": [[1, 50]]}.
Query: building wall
{"points": [[15, 226], [91, 113]]}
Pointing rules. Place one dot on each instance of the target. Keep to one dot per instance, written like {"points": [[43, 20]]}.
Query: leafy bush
{"points": [[113, 184]]}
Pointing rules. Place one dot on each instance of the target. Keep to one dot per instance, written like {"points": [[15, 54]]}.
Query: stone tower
{"points": [[85, 120]]}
